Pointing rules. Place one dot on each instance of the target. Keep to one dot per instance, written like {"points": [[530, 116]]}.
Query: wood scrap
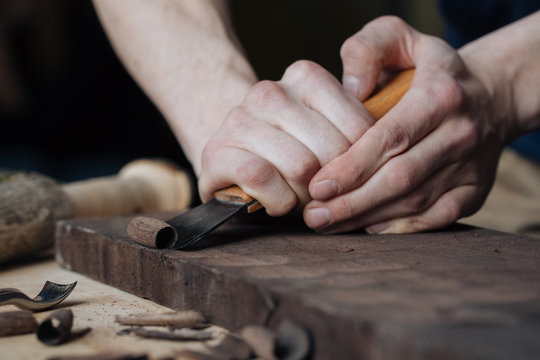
{"points": [[151, 232], [183, 334], [102, 356], [195, 355], [17, 322], [177, 319]]}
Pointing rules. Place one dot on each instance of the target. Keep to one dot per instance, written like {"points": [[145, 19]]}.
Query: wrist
{"points": [[509, 69], [487, 73], [196, 118]]}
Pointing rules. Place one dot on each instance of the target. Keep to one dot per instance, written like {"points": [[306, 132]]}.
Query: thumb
{"points": [[382, 43]]}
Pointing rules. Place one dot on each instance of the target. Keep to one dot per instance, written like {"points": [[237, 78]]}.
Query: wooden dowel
{"points": [[17, 322], [177, 335], [102, 356], [175, 319]]}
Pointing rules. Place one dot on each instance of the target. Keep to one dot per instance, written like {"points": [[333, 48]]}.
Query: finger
{"points": [[450, 207], [384, 42], [400, 176], [447, 209], [270, 103], [256, 176], [320, 91], [295, 162], [422, 109], [410, 204]]}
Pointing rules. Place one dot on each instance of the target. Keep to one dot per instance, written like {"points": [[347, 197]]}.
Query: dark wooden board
{"points": [[462, 293]]}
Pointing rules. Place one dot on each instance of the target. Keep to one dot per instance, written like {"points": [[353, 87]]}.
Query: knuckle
{"points": [[390, 22], [255, 173], [357, 47], [302, 171], [302, 70], [467, 134], [237, 117], [395, 139], [446, 92], [401, 177], [287, 204], [266, 93], [418, 202], [344, 210]]}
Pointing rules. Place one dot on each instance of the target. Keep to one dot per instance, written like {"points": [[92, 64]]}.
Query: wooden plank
{"points": [[456, 294]]}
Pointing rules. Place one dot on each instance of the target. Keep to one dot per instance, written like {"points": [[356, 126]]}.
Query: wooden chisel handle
{"points": [[378, 105], [143, 185], [234, 195]]}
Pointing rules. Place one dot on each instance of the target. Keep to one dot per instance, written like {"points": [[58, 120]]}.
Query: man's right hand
{"points": [[283, 132]]}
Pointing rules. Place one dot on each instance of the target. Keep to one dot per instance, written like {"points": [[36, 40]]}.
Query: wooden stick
{"points": [[56, 329], [176, 319], [102, 356], [17, 322], [184, 334]]}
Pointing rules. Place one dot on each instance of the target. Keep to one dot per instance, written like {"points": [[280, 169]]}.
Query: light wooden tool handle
{"points": [[234, 195], [378, 105], [141, 186], [385, 99]]}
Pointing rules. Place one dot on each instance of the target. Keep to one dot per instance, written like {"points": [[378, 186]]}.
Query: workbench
{"points": [[458, 293], [94, 305]]}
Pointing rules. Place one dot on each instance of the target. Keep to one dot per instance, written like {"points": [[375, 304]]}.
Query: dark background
{"points": [[69, 110]]}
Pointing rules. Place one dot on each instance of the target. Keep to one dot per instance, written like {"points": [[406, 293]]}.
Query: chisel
{"points": [[189, 227]]}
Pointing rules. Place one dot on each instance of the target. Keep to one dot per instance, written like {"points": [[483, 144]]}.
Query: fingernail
{"points": [[351, 84], [317, 217], [380, 228], [324, 189]]}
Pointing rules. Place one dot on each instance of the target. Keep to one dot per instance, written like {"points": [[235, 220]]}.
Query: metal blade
{"points": [[195, 224]]}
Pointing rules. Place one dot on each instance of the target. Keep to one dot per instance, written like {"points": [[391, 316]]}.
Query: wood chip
{"points": [[102, 356], [192, 319], [177, 335]]}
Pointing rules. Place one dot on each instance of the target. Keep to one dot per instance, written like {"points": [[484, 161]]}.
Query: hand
{"points": [[427, 162], [280, 135]]}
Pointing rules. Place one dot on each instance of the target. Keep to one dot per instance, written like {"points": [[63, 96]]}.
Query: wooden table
{"points": [[94, 305], [461, 293]]}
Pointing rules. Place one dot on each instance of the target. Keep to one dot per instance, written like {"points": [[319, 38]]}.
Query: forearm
{"points": [[183, 56], [508, 62]]}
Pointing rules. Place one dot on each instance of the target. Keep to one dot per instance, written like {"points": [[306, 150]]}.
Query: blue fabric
{"points": [[467, 20]]}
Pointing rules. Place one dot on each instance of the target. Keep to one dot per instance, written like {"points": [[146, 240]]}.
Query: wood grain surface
{"points": [[462, 293]]}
